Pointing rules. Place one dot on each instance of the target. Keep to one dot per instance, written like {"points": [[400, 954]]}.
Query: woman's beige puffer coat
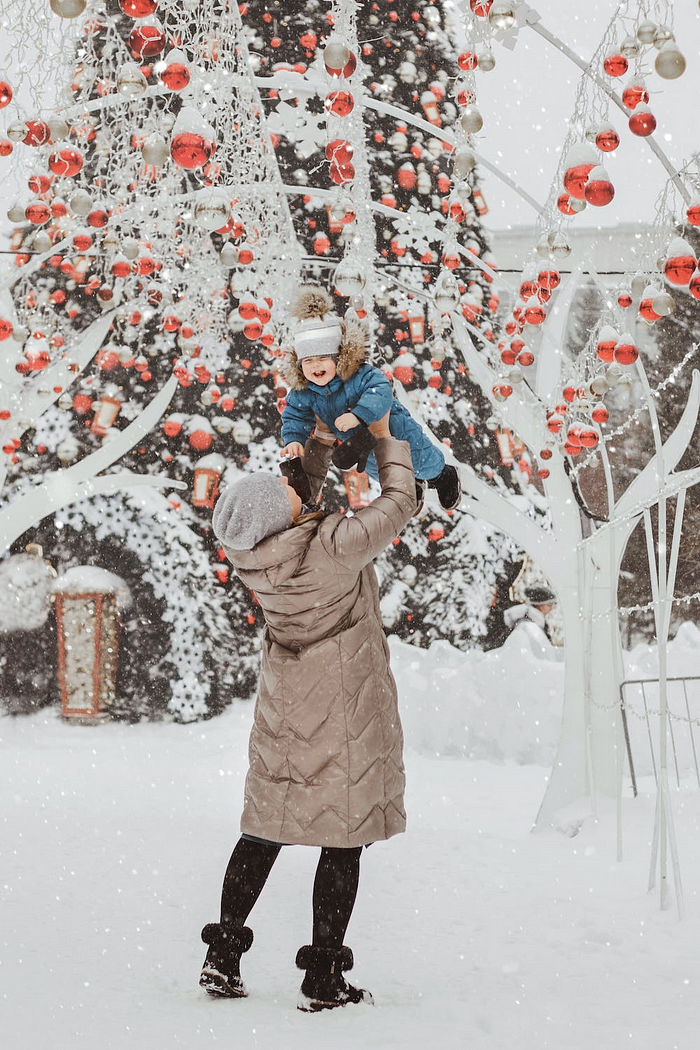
{"points": [[326, 763]]}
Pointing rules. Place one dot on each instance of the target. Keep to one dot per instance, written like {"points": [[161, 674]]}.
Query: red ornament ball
{"points": [[340, 151], [176, 76], [5, 94], [642, 123], [339, 103], [575, 180], [481, 8], [693, 213], [66, 162], [694, 286], [253, 330], [190, 150], [679, 269], [147, 40], [201, 440], [634, 94], [599, 192], [607, 139], [38, 212], [615, 65], [6, 147], [600, 414], [341, 173], [138, 8], [467, 60], [38, 133], [626, 353]]}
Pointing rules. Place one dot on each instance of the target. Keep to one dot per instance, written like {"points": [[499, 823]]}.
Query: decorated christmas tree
{"points": [[178, 198]]}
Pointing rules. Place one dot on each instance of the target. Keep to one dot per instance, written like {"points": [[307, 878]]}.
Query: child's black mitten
{"points": [[297, 477], [355, 451]]}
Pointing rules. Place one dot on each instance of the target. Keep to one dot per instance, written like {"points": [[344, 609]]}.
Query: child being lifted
{"points": [[329, 377]]}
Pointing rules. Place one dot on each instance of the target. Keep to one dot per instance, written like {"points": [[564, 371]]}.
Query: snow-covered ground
{"points": [[470, 930]]}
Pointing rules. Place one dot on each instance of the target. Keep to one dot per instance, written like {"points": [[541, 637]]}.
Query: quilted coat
{"points": [[325, 753], [360, 388]]}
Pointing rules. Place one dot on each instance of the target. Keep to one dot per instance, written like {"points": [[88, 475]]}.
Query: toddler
{"points": [[329, 377]]}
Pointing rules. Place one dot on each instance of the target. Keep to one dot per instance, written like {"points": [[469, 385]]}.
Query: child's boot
{"points": [[324, 986], [221, 973], [448, 486], [297, 477], [355, 451]]}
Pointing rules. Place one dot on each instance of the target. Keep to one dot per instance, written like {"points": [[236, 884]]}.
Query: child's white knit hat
{"points": [[318, 333]]}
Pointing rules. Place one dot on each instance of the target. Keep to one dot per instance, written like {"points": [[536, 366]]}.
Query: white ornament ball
{"points": [[68, 8]]}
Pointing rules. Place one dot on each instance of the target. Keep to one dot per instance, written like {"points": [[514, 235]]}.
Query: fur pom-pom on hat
{"points": [[311, 301], [318, 332]]}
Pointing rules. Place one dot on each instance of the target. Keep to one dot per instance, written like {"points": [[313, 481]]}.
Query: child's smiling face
{"points": [[319, 370]]}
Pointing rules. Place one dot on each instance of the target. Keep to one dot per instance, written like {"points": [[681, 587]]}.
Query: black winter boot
{"points": [[221, 973], [354, 451], [449, 487], [324, 986], [297, 478]]}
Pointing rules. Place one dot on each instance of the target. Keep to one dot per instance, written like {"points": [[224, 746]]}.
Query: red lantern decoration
{"points": [[357, 488], [429, 105], [105, 415], [205, 488]]}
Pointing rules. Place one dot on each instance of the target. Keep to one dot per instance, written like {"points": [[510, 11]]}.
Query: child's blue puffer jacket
{"points": [[368, 393]]}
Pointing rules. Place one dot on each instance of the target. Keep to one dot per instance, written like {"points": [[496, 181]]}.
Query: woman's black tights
{"points": [[335, 888]]}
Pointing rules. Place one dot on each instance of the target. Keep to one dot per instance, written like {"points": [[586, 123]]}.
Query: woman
{"points": [[326, 765]]}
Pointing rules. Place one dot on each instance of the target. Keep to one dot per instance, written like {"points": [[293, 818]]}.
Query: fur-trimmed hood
{"points": [[352, 354]]}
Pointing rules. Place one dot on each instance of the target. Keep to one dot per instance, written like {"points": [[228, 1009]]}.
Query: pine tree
{"points": [[453, 576]]}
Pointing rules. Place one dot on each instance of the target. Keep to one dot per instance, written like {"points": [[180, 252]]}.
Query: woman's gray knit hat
{"points": [[253, 508]]}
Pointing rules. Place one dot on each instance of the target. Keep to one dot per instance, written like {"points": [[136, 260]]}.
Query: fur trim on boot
{"points": [[221, 973], [324, 987]]}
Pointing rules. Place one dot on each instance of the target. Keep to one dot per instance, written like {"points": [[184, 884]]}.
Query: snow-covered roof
{"points": [[80, 579]]}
